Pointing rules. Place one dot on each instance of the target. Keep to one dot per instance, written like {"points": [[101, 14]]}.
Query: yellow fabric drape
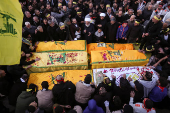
{"points": [[53, 61], [60, 46], [117, 58], [71, 75], [11, 18], [108, 46]]}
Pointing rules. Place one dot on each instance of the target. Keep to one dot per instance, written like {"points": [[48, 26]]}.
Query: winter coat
{"points": [[23, 101], [157, 94], [121, 32], [93, 108], [15, 91], [83, 92], [88, 29], [111, 31], [45, 100], [62, 35]]}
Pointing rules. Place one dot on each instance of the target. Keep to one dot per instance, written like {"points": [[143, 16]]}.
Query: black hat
{"points": [[87, 79], [59, 109], [44, 84], [139, 86], [128, 109], [72, 111]]}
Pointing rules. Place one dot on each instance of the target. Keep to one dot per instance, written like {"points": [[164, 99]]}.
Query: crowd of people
{"points": [[110, 21]]}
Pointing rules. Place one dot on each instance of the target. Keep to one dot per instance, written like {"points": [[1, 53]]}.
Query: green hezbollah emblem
{"points": [[8, 26]]}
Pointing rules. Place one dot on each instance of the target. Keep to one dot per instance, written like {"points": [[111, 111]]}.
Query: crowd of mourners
{"points": [[111, 21]]}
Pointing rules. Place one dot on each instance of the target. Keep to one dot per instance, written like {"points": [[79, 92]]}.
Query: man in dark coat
{"points": [[17, 88], [41, 35], [102, 22], [74, 27], [111, 30], [63, 92], [51, 31], [88, 30], [62, 32], [80, 18], [134, 32], [152, 30]]}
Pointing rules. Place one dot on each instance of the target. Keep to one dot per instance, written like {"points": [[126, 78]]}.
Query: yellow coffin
{"points": [[117, 58], [60, 46], [71, 75], [108, 46], [52, 61]]}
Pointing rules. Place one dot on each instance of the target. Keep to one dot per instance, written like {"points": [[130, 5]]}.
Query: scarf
{"points": [[161, 88]]}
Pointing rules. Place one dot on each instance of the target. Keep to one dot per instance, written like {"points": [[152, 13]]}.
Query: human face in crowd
{"points": [[152, 1], [90, 14], [28, 15], [120, 9], [30, 8], [21, 4], [150, 7], [60, 1], [52, 24], [90, 6], [160, 7], [41, 0], [165, 25], [64, 8], [77, 8], [107, 80], [37, 12], [35, 19], [154, 20], [102, 17], [125, 1], [115, 5], [74, 21], [109, 10], [140, 1], [135, 24], [69, 5], [112, 22], [34, 104], [132, 18], [130, 12], [102, 6], [45, 21], [87, 23], [120, 13], [40, 29], [48, 7], [124, 24], [99, 30], [2, 73]]}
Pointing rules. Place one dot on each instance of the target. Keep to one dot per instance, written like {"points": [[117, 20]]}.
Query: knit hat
{"points": [[128, 109], [72, 111], [139, 86], [59, 109], [87, 79]]}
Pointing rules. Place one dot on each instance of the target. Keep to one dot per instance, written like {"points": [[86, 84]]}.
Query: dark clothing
{"points": [[106, 86], [153, 30], [44, 26], [111, 30], [40, 36], [47, 11], [36, 23], [146, 14], [27, 20], [64, 93], [23, 101], [134, 32], [79, 19], [51, 33], [103, 23], [124, 94], [73, 29], [165, 43], [120, 19], [31, 30], [23, 61], [4, 86], [138, 96], [62, 34], [127, 16], [88, 29], [15, 91]]}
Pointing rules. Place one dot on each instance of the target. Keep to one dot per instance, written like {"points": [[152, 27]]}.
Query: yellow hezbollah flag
{"points": [[11, 17]]}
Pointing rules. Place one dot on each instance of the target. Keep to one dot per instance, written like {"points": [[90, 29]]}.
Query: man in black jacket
{"points": [[17, 88], [51, 31], [62, 32], [134, 33], [111, 30], [152, 30]]}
